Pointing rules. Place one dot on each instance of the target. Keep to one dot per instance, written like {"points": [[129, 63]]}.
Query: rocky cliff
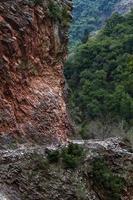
{"points": [[33, 40]]}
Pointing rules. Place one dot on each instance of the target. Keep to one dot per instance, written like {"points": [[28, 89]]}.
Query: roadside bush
{"points": [[72, 155], [70, 161], [53, 156]]}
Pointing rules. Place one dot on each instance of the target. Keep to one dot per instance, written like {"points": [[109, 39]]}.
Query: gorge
{"points": [[40, 156]]}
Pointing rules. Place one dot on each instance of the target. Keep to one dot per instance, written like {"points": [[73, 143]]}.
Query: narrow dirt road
{"points": [[113, 144]]}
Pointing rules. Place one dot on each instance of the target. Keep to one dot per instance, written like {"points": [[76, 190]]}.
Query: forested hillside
{"points": [[100, 74], [88, 16]]}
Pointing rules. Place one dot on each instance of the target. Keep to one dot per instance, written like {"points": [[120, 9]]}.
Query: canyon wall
{"points": [[33, 41]]}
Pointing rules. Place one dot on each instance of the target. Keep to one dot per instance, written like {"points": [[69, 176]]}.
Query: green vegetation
{"points": [[100, 74], [53, 156], [70, 156], [88, 16], [81, 191], [59, 13], [38, 162], [104, 178], [55, 10], [36, 2]]}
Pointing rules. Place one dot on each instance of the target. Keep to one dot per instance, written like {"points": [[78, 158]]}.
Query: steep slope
{"points": [[90, 15], [100, 75], [33, 44]]}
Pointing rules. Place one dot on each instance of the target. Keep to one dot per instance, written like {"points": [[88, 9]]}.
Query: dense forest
{"points": [[88, 17], [100, 75]]}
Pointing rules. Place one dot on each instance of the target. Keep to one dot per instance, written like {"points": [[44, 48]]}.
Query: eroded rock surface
{"points": [[25, 173], [32, 52]]}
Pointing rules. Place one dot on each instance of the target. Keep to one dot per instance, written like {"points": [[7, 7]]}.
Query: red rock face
{"points": [[32, 53]]}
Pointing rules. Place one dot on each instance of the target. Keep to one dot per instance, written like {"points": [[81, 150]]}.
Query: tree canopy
{"points": [[89, 16], [100, 73]]}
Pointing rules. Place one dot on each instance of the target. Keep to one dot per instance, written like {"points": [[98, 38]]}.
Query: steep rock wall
{"points": [[33, 42]]}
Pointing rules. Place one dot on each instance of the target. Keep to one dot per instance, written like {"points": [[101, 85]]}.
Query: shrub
{"points": [[103, 177], [36, 2], [53, 156], [84, 132], [55, 10], [75, 150], [38, 162], [70, 161], [72, 155], [59, 13]]}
